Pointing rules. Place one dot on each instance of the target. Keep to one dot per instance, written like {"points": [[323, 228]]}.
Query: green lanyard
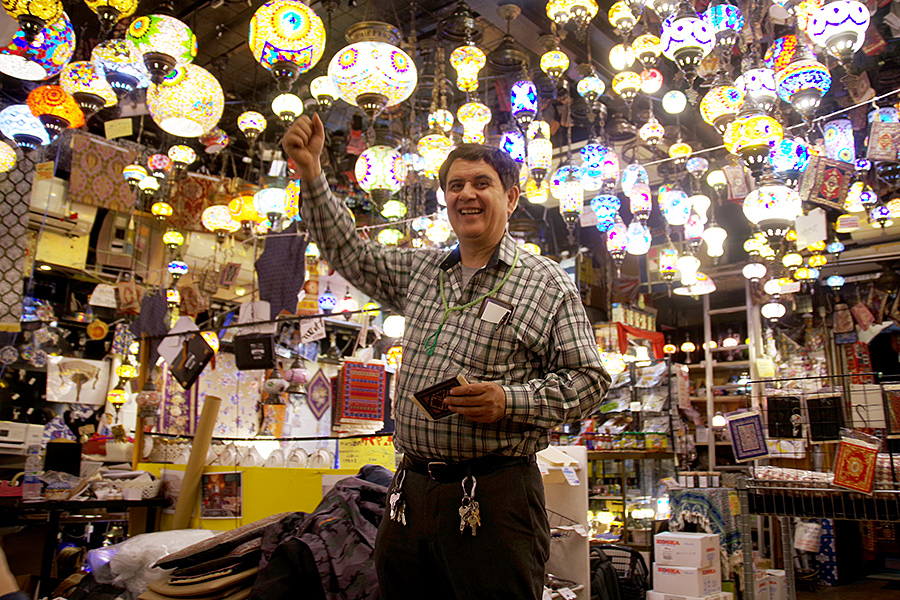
{"points": [[431, 340]]}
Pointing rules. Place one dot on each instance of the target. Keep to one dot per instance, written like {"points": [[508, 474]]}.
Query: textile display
{"points": [[190, 196], [714, 510], [826, 182], [826, 559], [96, 175], [15, 194], [747, 437], [854, 468], [280, 270], [318, 394], [178, 411], [858, 360], [882, 141], [239, 391], [361, 389], [892, 409]]}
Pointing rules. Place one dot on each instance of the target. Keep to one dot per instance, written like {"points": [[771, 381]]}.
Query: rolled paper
{"points": [[190, 487]]}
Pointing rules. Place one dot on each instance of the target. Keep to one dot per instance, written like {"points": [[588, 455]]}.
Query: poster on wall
{"points": [[78, 381], [221, 496]]}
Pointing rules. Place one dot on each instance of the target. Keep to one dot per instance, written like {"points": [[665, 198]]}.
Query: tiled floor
{"points": [[867, 589]]}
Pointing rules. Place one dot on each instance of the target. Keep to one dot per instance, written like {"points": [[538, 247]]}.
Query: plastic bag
{"points": [[128, 564]]}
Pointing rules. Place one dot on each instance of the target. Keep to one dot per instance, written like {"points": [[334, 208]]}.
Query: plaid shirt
{"points": [[544, 356]]}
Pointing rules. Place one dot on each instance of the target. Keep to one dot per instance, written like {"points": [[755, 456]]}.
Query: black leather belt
{"points": [[447, 472]]}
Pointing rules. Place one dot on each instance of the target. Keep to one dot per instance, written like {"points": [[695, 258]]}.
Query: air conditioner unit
{"points": [[50, 210]]}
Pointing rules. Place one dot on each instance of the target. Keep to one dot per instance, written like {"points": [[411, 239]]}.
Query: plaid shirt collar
{"points": [[505, 253]]}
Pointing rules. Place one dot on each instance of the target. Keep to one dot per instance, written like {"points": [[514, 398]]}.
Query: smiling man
{"points": [[466, 516]]}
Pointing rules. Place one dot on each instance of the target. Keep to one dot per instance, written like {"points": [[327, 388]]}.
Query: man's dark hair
{"points": [[507, 168]]}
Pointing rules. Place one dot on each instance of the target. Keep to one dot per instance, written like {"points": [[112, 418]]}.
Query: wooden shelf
{"points": [[625, 455]]}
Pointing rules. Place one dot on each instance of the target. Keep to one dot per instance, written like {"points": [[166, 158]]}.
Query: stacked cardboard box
{"points": [[687, 567]]}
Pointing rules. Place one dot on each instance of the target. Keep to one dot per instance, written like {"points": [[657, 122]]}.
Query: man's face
{"points": [[476, 203]]}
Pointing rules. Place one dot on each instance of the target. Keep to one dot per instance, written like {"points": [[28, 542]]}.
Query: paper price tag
{"points": [[567, 593], [580, 530], [312, 330], [571, 475], [118, 128], [543, 468]]}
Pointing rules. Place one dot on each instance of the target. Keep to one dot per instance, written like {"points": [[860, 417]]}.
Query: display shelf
{"points": [[634, 455], [567, 504], [719, 399], [721, 364]]}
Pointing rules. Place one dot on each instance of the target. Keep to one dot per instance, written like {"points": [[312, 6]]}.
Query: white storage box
{"points": [[777, 584], [687, 549], [761, 583], [686, 581], [654, 595]]}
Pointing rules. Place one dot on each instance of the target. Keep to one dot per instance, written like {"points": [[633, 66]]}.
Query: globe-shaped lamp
{"points": [[288, 38]]}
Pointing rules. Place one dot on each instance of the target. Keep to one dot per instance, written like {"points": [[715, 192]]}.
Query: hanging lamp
{"points": [[163, 42], [287, 38], [56, 109]]}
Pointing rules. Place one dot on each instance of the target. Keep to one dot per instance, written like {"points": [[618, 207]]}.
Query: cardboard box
{"points": [[687, 549], [761, 582], [686, 581], [654, 595], [777, 584]]}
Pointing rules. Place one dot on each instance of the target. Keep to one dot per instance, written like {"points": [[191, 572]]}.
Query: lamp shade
{"points": [[686, 40], [638, 239], [652, 131], [752, 138], [714, 238], [121, 64], [242, 210], [840, 27], [754, 271], [215, 140], [633, 174], [159, 165], [292, 200], [554, 63], [621, 17], [181, 155], [513, 143], [7, 158], [675, 206], [647, 48], [559, 176], [474, 116], [759, 85], [217, 218], [468, 60], [56, 109], [288, 107], [187, 103], [651, 81], [606, 207], [380, 168], [580, 11], [524, 102], [149, 185], [163, 42], [537, 193], [591, 87], [111, 12], [539, 156], [172, 239], [782, 51], [90, 89], [805, 82], [373, 75], [33, 15], [161, 210], [19, 124], [626, 84], [726, 22], [720, 105], [621, 57], [268, 201], [286, 37], [773, 207], [674, 102], [42, 58], [600, 165], [789, 158], [434, 148]]}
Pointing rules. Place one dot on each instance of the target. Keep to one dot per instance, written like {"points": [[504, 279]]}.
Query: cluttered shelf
{"points": [[722, 364], [636, 455], [722, 399]]}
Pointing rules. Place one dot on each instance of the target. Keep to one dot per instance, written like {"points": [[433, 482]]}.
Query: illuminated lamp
{"points": [[434, 149], [759, 86], [126, 371], [187, 102], [571, 202], [693, 232], [686, 39], [149, 185], [621, 17], [652, 132], [181, 156], [7, 158], [782, 51], [817, 261], [554, 63], [110, 12], [806, 274], [513, 143], [251, 124], [217, 218], [647, 48], [688, 265], [322, 89], [789, 158], [697, 166], [327, 301], [176, 269], [675, 206], [535, 127], [172, 239], [674, 102], [601, 164], [288, 107], [117, 398], [591, 87], [802, 84], [524, 103], [33, 15], [688, 347], [835, 282], [439, 231], [121, 64], [312, 251], [90, 91], [651, 81], [159, 165], [627, 84], [641, 201], [606, 207], [668, 265], [531, 247], [393, 210], [717, 180], [559, 177], [43, 57], [394, 326], [162, 210], [726, 22], [663, 8], [242, 210], [752, 138], [56, 109], [271, 202], [164, 43], [773, 207], [616, 243], [372, 74], [719, 420], [441, 120], [670, 349], [537, 193], [468, 60], [621, 57], [474, 116], [579, 12], [792, 261], [389, 237], [633, 174], [835, 247], [287, 38], [701, 204], [133, 174], [679, 152], [754, 271], [880, 217], [538, 156], [380, 172], [840, 27], [704, 285], [721, 104], [638, 238]]}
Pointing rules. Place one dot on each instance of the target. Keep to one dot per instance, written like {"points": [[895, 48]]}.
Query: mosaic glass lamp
{"points": [[162, 210], [42, 58], [372, 74], [686, 39], [726, 22], [19, 124], [627, 84], [217, 218], [251, 124], [647, 48], [474, 116], [621, 57], [434, 148], [288, 38], [840, 27], [606, 207], [176, 269], [759, 85], [133, 174], [538, 156], [621, 17], [56, 109], [288, 107], [270, 201], [721, 104], [680, 152], [652, 132], [243, 211], [579, 12], [111, 12], [802, 84], [381, 172], [591, 87], [33, 15], [7, 158], [773, 207], [524, 102], [323, 90], [159, 165], [187, 103], [181, 156], [163, 42], [121, 64], [173, 239], [554, 63], [90, 90], [752, 138], [789, 158], [468, 60]]}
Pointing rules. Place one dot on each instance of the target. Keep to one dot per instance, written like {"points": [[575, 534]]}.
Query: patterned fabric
{"points": [[362, 391], [178, 413], [280, 270], [240, 394], [15, 195], [96, 176], [544, 356], [715, 510], [747, 437], [826, 182], [826, 559], [189, 197]]}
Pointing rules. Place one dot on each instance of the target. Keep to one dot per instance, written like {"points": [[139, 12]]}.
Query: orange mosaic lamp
{"points": [[56, 109]]}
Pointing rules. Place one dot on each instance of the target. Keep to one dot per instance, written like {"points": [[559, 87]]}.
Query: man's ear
{"points": [[512, 200]]}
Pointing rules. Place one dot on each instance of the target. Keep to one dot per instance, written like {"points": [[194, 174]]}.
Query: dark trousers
{"points": [[430, 558]]}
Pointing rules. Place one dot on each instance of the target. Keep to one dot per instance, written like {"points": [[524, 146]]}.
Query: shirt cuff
{"points": [[518, 401]]}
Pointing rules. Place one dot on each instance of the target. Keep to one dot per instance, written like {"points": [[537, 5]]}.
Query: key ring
{"points": [[474, 483], [400, 479]]}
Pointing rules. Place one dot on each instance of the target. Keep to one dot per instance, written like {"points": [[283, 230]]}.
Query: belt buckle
{"points": [[439, 465]]}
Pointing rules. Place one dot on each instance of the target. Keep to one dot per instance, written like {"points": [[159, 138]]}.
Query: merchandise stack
{"points": [[687, 567]]}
